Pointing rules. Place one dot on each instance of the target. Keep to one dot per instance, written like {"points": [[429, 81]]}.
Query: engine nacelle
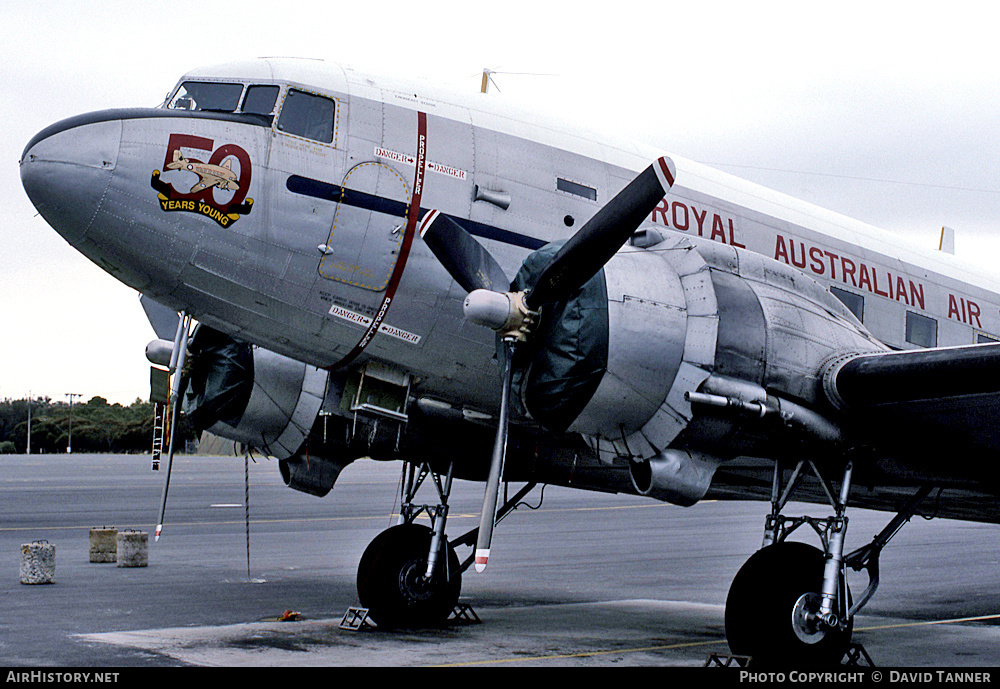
{"points": [[687, 316], [252, 395], [617, 358]]}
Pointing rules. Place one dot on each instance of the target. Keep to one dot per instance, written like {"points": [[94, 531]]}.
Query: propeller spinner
{"points": [[513, 315]]}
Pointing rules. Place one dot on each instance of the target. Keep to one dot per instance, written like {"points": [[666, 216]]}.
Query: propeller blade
{"points": [[603, 235], [488, 517], [574, 264], [176, 368], [465, 259], [174, 406]]}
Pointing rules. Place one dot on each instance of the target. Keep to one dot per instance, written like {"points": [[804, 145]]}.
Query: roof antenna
{"points": [[488, 78], [947, 243]]}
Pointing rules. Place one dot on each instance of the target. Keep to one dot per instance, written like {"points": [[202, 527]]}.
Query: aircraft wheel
{"points": [[391, 579], [767, 605]]}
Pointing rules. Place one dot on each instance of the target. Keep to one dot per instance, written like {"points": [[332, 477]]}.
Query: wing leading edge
{"points": [[925, 416], [944, 398]]}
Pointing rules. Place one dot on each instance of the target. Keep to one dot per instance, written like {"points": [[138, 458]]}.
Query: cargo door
{"points": [[368, 227]]}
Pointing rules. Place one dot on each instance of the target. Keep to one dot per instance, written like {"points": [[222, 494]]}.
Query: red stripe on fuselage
{"points": [[412, 215]]}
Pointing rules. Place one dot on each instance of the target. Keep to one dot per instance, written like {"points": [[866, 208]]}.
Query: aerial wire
{"points": [[246, 511], [856, 178], [246, 503]]}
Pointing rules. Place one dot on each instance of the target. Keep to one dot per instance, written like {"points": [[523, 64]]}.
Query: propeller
{"points": [[603, 235], [463, 257], [176, 385], [513, 315], [487, 518], [475, 270]]}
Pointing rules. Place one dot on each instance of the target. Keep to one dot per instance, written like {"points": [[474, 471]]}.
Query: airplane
{"points": [[221, 176], [403, 273]]}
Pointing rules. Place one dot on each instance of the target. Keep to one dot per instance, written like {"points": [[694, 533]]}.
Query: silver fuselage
{"points": [[306, 243]]}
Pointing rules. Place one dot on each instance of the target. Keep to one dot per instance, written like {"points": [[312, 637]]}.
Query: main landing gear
{"points": [[410, 575], [789, 603]]}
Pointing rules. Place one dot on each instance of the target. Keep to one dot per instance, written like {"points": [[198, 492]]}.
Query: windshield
{"points": [[207, 95]]}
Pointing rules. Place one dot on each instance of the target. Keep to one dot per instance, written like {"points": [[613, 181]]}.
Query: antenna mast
{"points": [[488, 78]]}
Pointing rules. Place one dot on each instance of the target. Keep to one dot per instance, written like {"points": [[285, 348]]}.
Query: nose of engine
{"points": [[66, 170]]}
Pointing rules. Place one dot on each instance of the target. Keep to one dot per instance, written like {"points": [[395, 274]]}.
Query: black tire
{"points": [[761, 603], [391, 585]]}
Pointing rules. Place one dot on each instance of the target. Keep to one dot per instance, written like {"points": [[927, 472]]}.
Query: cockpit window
{"points": [[207, 95], [308, 115], [260, 99]]}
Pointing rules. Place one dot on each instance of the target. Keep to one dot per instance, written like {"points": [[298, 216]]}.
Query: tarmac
{"points": [[576, 579]]}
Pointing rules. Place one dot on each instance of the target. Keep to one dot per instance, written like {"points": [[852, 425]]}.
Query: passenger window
{"points": [[260, 100], [207, 95], [855, 303], [983, 337], [308, 115], [921, 330], [576, 188]]}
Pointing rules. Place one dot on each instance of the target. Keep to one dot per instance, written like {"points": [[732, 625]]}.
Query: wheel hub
{"points": [[412, 583], [807, 623]]}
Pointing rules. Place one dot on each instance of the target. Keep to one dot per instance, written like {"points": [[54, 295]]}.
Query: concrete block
{"points": [[38, 563], [133, 548], [103, 544]]}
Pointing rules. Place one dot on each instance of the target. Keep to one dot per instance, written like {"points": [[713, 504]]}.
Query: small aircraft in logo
{"points": [[221, 176]]}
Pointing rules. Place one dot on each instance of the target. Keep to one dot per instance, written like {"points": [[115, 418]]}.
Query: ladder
{"points": [[160, 431]]}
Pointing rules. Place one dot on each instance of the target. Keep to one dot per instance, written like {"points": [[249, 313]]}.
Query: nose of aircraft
{"points": [[66, 170]]}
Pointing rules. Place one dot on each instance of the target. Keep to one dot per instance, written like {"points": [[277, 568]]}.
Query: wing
{"points": [[748, 478], [948, 397], [923, 416]]}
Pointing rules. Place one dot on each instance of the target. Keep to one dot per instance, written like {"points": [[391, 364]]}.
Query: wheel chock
{"points": [[857, 656], [356, 619], [464, 614], [722, 660]]}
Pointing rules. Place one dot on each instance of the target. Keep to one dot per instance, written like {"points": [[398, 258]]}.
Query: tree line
{"points": [[97, 426]]}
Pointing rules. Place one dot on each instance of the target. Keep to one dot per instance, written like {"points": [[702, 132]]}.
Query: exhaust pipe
{"points": [[675, 476]]}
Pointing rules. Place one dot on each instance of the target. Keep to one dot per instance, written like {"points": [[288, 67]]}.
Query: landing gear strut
{"points": [[790, 602], [771, 606], [410, 575]]}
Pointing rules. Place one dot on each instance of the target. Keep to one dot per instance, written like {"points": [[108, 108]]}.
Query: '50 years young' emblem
{"points": [[219, 186]]}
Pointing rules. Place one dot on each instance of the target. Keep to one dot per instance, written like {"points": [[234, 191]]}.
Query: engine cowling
{"points": [[613, 362], [266, 401], [251, 395], [688, 316]]}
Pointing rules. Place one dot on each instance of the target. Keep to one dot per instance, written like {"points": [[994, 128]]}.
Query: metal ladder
{"points": [[160, 430]]}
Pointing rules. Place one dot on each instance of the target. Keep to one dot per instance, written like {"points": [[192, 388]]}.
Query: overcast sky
{"points": [[875, 110]]}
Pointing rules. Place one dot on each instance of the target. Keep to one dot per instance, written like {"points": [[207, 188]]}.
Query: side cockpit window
{"points": [[308, 115], [260, 100], [207, 95], [304, 114]]}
